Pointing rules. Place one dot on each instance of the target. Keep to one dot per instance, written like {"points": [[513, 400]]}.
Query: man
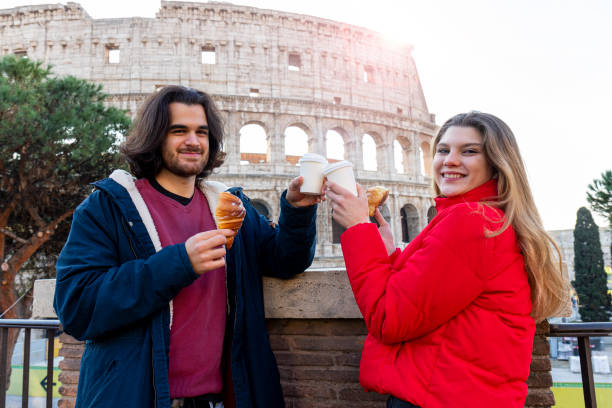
{"points": [[170, 317]]}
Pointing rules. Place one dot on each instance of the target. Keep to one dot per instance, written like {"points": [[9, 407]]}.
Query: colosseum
{"points": [[286, 84]]}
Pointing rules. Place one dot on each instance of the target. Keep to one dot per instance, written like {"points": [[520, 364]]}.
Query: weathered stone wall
{"points": [[347, 79], [565, 240]]}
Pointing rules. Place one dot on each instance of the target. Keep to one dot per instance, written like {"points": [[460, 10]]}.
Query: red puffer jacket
{"points": [[448, 317]]}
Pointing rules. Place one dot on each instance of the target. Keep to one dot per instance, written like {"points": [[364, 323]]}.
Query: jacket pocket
{"points": [[115, 373]]}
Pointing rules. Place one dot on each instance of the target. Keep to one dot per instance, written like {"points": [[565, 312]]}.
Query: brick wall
{"points": [[318, 361], [72, 350], [540, 377]]}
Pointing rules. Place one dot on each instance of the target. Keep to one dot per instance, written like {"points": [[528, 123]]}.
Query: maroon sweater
{"points": [[199, 310]]}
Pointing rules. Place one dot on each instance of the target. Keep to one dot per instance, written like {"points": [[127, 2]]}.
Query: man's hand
{"points": [[297, 199], [206, 251], [348, 209], [385, 232]]}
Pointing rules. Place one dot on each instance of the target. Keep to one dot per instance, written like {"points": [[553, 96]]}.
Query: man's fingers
{"points": [[211, 254], [296, 183], [202, 236], [227, 232]]}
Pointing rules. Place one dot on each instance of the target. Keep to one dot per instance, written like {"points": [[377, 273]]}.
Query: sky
{"points": [[542, 66]]}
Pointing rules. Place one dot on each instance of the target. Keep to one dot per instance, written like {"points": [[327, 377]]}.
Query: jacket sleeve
{"points": [[424, 287], [288, 248], [100, 285]]}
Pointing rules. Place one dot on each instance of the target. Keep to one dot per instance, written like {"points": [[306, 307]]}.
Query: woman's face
{"points": [[459, 163]]}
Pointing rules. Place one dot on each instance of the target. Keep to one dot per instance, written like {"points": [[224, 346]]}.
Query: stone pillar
{"points": [[353, 148], [396, 219], [540, 378], [384, 155], [416, 157], [232, 142], [317, 142], [275, 141], [318, 360], [72, 350]]}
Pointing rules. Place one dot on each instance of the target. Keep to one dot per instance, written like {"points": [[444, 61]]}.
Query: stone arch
{"points": [[425, 149], [431, 213], [254, 143], [406, 153], [262, 208], [370, 142], [297, 138], [335, 144], [410, 222]]}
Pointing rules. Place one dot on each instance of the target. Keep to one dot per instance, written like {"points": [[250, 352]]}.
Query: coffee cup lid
{"points": [[335, 166], [313, 157]]}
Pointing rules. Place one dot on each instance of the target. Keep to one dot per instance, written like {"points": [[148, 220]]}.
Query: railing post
{"points": [[586, 368], [25, 390], [50, 346]]}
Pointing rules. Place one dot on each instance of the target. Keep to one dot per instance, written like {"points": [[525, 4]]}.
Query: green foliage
{"points": [[599, 195], [56, 136], [591, 278]]}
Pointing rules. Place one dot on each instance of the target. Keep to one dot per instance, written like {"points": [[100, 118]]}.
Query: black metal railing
{"points": [[584, 331], [51, 326]]}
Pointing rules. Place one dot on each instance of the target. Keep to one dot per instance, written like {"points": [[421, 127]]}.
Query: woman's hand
{"points": [[385, 232], [347, 210]]}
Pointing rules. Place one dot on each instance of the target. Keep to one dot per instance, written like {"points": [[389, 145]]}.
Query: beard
{"points": [[182, 167]]}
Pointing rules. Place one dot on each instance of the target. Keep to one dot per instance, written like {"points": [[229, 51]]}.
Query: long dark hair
{"points": [[142, 147]]}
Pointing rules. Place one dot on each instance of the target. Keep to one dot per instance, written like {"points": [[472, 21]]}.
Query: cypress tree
{"points": [[591, 280]]}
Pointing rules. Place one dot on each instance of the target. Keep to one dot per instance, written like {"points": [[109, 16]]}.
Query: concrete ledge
{"points": [[315, 294]]}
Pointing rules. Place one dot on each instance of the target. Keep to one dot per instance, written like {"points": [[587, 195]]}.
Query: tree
{"points": [[599, 195], [56, 136], [591, 278]]}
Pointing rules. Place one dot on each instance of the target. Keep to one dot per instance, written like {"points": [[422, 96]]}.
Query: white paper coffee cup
{"points": [[342, 174], [311, 168]]}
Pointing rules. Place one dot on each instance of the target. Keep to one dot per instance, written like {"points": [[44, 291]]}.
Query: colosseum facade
{"points": [[289, 79]]}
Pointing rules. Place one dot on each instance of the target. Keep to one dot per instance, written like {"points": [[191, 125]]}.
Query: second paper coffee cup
{"points": [[342, 174]]}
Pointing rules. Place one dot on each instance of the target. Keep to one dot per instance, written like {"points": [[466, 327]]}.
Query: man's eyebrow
{"points": [[179, 126]]}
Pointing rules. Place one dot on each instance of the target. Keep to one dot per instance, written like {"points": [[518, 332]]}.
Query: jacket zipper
{"points": [[128, 237], [125, 229]]}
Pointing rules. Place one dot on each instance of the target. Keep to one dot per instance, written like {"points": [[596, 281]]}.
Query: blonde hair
{"points": [[549, 287]]}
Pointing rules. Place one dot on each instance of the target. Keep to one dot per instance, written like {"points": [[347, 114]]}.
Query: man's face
{"points": [[185, 150]]}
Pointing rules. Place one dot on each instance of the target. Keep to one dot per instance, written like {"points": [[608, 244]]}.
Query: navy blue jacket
{"points": [[114, 284]]}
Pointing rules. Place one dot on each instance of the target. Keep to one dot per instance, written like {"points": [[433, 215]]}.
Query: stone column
{"points": [[353, 148], [72, 350], [396, 219], [232, 142], [316, 143], [384, 155], [276, 148], [540, 381]]}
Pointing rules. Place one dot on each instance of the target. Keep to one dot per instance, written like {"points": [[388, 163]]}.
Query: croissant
{"points": [[229, 214], [377, 196]]}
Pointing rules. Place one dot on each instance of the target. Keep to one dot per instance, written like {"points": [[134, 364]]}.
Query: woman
{"points": [[451, 317]]}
